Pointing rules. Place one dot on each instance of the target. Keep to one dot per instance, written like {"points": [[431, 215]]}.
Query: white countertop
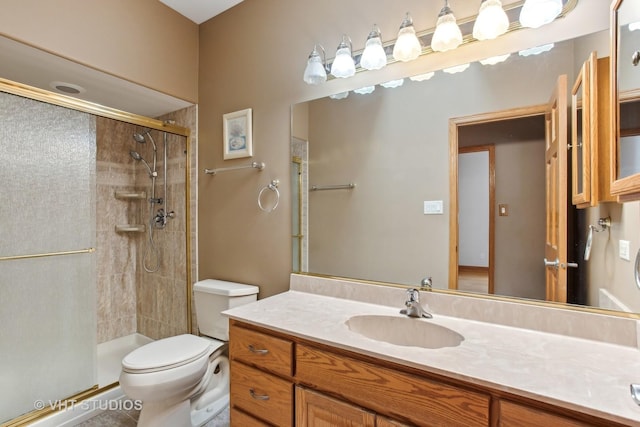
{"points": [[588, 376]]}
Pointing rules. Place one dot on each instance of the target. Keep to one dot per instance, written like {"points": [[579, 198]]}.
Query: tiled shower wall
{"points": [[129, 298], [116, 252]]}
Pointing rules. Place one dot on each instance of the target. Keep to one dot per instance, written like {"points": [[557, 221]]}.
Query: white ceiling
{"points": [[200, 10]]}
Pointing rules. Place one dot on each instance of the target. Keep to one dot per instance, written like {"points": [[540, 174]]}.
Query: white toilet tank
{"points": [[212, 297]]}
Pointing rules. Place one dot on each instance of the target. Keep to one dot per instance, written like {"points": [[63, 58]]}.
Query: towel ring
{"points": [[273, 186]]}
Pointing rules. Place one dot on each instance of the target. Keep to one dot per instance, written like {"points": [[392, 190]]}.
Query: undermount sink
{"points": [[405, 331]]}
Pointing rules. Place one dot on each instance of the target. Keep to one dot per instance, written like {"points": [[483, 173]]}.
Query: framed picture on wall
{"points": [[236, 130]]}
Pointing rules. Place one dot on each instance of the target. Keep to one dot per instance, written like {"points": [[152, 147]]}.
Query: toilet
{"points": [[183, 381]]}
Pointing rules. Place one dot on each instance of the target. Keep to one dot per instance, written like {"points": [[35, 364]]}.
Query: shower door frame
{"points": [[52, 98]]}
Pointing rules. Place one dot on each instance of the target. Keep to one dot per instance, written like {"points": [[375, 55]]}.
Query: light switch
{"points": [[433, 207], [624, 250], [503, 209]]}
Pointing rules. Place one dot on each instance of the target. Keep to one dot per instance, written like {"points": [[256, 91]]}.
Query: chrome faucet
{"points": [[426, 284], [414, 309]]}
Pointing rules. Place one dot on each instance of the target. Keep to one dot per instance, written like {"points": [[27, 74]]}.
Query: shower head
{"points": [[138, 158], [141, 138]]}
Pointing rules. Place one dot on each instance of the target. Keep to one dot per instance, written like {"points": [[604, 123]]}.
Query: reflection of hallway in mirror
{"points": [[473, 279]]}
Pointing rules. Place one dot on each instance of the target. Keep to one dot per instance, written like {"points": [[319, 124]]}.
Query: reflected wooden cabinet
{"points": [[590, 134], [625, 100]]}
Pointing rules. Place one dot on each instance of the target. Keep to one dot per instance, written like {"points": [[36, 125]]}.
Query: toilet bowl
{"points": [[183, 381]]}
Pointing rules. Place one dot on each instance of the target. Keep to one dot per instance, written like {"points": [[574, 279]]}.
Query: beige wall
{"points": [[142, 41]]}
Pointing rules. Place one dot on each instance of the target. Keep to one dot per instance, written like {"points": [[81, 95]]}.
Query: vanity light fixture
{"points": [[422, 77], [391, 84], [343, 65], [457, 69], [365, 90], [536, 50], [407, 47], [493, 60], [374, 57], [447, 35], [536, 13], [316, 70], [492, 21]]}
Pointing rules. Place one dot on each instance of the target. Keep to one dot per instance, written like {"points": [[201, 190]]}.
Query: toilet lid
{"points": [[167, 353]]}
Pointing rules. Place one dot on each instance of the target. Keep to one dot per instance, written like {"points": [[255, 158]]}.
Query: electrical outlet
{"points": [[624, 250]]}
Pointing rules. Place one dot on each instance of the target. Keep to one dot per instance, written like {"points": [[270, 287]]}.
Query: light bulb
{"points": [[407, 47], [343, 65], [536, 13], [491, 22], [315, 72], [447, 35], [374, 56]]}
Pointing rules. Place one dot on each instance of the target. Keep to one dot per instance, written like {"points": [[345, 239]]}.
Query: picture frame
{"points": [[237, 134]]}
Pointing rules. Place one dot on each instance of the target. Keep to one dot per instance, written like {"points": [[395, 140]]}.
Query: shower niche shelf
{"points": [[130, 228], [130, 195]]}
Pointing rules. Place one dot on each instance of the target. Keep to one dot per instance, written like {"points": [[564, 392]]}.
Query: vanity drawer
{"points": [[261, 394], [387, 391], [261, 350], [240, 419]]}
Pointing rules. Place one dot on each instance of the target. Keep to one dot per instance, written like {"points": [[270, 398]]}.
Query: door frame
{"points": [[454, 124]]}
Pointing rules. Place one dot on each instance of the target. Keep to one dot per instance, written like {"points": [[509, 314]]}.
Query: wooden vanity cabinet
{"points": [[590, 134], [278, 380]]}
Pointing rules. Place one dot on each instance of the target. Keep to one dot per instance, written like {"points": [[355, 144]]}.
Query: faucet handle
{"points": [[413, 295]]}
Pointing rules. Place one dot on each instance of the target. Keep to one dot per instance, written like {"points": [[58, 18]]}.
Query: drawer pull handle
{"points": [[258, 396], [252, 349]]}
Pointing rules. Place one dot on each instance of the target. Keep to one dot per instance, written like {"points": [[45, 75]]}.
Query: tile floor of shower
{"points": [[110, 356]]}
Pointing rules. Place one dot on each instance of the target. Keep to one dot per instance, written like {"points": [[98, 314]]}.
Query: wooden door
{"points": [[317, 410], [555, 256]]}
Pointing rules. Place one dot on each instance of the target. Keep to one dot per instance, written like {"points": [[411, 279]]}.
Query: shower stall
{"points": [[95, 254]]}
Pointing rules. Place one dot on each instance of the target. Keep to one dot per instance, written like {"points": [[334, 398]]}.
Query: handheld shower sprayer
{"points": [[138, 158], [141, 138]]}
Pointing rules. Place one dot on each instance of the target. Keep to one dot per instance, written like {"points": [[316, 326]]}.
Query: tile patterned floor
{"points": [[130, 419]]}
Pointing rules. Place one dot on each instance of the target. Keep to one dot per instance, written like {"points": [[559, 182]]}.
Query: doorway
{"points": [[517, 214]]}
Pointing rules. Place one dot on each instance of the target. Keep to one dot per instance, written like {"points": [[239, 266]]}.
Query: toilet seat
{"points": [[168, 353]]}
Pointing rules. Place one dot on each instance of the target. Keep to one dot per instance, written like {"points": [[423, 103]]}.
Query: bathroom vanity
{"points": [[299, 358]]}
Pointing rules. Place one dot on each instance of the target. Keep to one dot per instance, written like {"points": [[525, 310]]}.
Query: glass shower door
{"points": [[47, 260]]}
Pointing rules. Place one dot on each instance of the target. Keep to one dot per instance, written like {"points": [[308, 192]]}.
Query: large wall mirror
{"points": [[372, 189]]}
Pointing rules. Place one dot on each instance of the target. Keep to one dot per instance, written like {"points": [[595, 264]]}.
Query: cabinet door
{"points": [[513, 414], [317, 410], [582, 134], [625, 101]]}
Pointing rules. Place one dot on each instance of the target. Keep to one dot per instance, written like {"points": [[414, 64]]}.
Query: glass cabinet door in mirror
{"points": [[625, 36]]}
